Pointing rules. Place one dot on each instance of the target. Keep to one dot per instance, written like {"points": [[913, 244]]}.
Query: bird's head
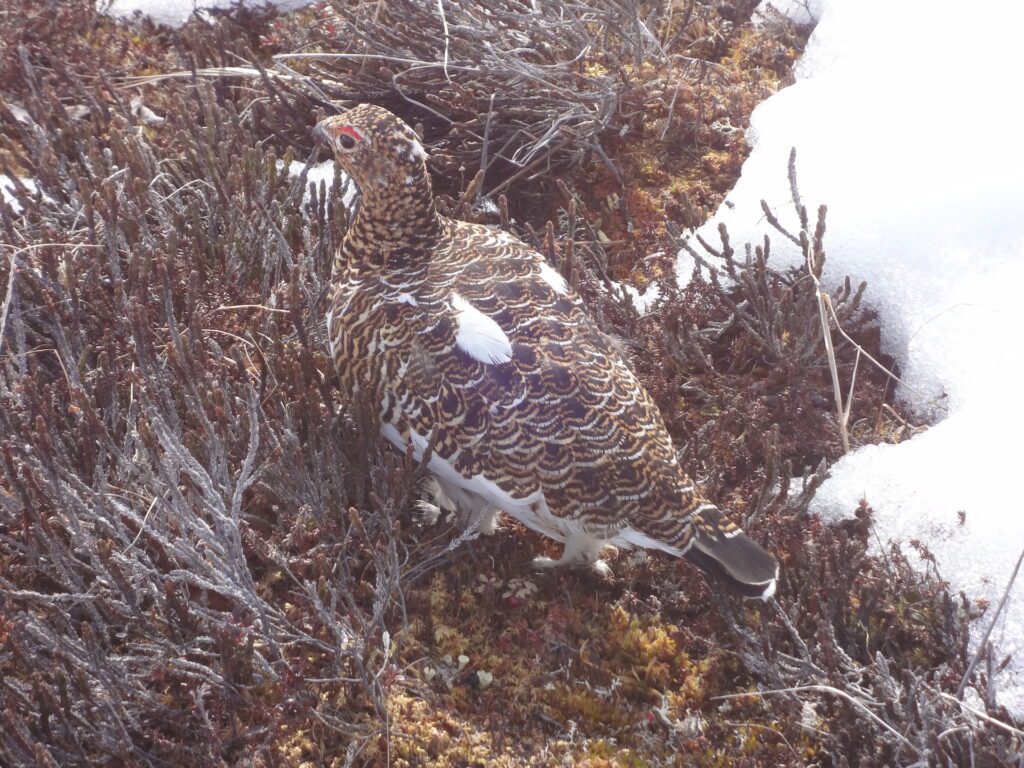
{"points": [[375, 148]]}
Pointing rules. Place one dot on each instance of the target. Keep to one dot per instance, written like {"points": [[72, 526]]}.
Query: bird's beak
{"points": [[322, 133]]}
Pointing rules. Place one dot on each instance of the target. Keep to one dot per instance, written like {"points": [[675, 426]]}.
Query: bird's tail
{"points": [[721, 549]]}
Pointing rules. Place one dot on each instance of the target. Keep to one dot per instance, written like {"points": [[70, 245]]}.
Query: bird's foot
{"points": [[489, 527], [431, 512], [486, 521], [599, 566], [434, 502]]}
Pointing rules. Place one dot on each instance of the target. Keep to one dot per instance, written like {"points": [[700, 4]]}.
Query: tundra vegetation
{"points": [[206, 555]]}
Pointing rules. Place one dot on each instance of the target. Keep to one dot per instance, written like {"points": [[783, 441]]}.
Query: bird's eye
{"points": [[347, 141]]}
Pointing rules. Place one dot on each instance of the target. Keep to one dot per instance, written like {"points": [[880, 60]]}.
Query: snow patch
{"points": [[902, 140], [485, 205], [323, 172], [642, 301], [8, 186], [174, 13], [799, 11]]}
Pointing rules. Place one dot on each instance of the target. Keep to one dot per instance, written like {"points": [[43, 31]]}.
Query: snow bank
{"points": [[905, 121], [322, 172], [642, 300], [7, 187], [174, 13]]}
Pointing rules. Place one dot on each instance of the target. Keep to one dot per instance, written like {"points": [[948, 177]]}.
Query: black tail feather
{"points": [[742, 564]]}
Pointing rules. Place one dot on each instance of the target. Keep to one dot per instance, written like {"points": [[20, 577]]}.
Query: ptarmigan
{"points": [[463, 329]]}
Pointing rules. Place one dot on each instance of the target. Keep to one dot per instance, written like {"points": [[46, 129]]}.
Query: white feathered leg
{"points": [[581, 551], [485, 520], [434, 501]]}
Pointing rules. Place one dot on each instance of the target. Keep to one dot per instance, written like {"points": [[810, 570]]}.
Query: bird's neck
{"points": [[396, 222]]}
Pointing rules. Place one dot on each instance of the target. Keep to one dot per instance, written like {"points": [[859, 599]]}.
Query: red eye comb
{"points": [[329, 131], [348, 130]]}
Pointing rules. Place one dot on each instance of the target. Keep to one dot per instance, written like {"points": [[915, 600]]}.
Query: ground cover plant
{"points": [[207, 557]]}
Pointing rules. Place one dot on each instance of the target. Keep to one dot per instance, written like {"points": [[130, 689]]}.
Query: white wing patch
{"points": [[551, 276], [407, 298], [478, 335]]}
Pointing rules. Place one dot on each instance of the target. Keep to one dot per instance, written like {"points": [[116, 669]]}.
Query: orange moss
{"points": [[685, 145]]}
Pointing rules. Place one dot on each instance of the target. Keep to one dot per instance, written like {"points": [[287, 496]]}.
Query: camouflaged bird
{"points": [[463, 329]]}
